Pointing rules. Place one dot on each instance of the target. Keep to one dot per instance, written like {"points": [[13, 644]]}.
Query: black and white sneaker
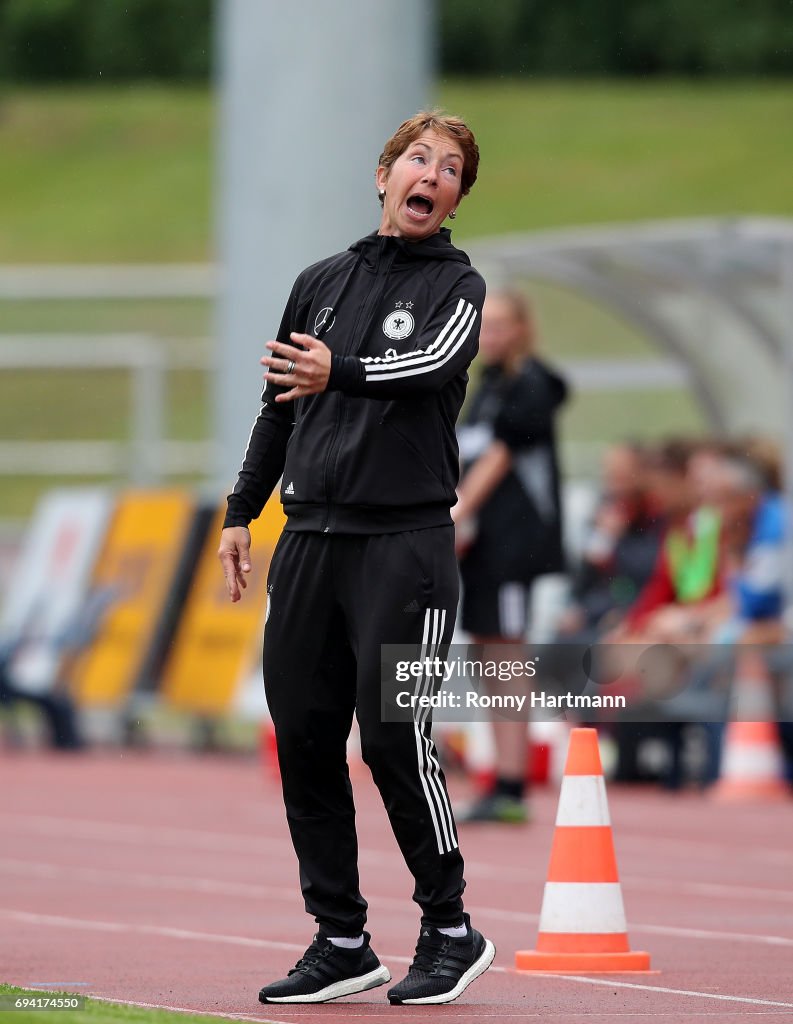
{"points": [[443, 967], [326, 972]]}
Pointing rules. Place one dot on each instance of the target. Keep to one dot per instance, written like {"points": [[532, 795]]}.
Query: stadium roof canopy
{"points": [[714, 294]]}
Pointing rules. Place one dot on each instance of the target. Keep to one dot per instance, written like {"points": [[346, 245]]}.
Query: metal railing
{"points": [[147, 455]]}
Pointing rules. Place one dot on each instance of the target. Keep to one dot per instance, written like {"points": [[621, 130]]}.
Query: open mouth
{"points": [[420, 206]]}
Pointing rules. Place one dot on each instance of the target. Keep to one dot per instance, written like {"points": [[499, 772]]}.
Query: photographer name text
{"points": [[508, 701]]}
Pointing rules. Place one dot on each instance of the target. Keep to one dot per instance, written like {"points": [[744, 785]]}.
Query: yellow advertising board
{"points": [[218, 642], [135, 569]]}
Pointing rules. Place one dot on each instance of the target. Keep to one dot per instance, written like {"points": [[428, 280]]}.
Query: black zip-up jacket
{"points": [[376, 452]]}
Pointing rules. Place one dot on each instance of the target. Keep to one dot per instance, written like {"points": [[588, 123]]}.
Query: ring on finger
{"points": [[290, 366]]}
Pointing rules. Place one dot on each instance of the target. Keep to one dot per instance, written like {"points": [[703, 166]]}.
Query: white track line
{"points": [[224, 888], [658, 929], [703, 848], [716, 890], [255, 845], [173, 1009], [23, 917], [672, 991], [391, 1012], [216, 887]]}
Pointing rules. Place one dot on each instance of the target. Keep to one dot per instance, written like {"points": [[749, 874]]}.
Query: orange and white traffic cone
{"points": [[268, 748], [752, 765], [582, 922]]}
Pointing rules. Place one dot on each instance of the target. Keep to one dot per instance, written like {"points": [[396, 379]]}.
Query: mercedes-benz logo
{"points": [[325, 320]]}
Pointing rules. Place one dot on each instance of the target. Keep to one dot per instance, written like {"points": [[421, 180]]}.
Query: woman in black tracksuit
{"points": [[510, 490], [363, 388]]}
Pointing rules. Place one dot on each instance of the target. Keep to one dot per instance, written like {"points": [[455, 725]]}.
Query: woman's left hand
{"points": [[306, 369]]}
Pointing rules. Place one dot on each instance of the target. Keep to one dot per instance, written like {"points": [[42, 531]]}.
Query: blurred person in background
{"points": [[508, 515], [724, 588], [676, 603], [620, 549], [359, 425], [766, 454], [753, 539], [752, 518], [56, 706], [717, 515], [679, 603]]}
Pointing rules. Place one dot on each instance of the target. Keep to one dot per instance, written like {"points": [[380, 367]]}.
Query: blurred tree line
{"points": [[105, 40], [617, 37], [89, 40]]}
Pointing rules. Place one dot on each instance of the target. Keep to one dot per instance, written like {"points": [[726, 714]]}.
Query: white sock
{"points": [[459, 932], [355, 943]]}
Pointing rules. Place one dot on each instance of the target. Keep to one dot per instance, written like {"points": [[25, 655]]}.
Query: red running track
{"points": [[170, 880]]}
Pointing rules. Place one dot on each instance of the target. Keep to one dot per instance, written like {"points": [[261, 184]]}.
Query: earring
{"points": [[452, 215], [381, 194]]}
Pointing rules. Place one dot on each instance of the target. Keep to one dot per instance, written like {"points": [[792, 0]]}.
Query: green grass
{"points": [[166, 318], [94, 405], [582, 153], [96, 1011], [112, 175], [124, 173]]}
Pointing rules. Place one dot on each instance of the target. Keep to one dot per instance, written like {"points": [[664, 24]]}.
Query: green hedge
{"points": [[94, 40], [104, 40], [616, 37]]}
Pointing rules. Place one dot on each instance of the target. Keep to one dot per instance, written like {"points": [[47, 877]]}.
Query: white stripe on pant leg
{"points": [[433, 789], [429, 746], [442, 794], [431, 750], [433, 767], [429, 784], [419, 743]]}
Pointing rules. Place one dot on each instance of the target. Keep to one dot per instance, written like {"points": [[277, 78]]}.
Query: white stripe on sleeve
{"points": [[450, 339]]}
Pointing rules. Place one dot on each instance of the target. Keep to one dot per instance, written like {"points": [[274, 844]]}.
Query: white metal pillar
{"points": [[309, 92]]}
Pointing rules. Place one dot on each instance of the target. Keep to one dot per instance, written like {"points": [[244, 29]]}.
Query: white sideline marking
{"points": [[220, 888], [668, 991], [712, 889], [693, 847], [84, 924], [162, 1006], [175, 883], [390, 1013], [254, 844], [473, 869], [242, 940]]}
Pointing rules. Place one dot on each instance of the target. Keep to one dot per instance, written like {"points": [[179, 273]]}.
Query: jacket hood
{"points": [[438, 247]]}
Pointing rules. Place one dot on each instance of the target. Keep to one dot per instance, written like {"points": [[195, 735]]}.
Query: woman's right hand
{"points": [[235, 557]]}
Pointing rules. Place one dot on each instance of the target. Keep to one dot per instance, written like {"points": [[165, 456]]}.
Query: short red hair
{"points": [[444, 124]]}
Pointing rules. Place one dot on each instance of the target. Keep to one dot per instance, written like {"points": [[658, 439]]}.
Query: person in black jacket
{"points": [[508, 516], [362, 390]]}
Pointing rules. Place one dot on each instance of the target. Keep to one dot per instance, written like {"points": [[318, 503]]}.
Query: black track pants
{"points": [[333, 600]]}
